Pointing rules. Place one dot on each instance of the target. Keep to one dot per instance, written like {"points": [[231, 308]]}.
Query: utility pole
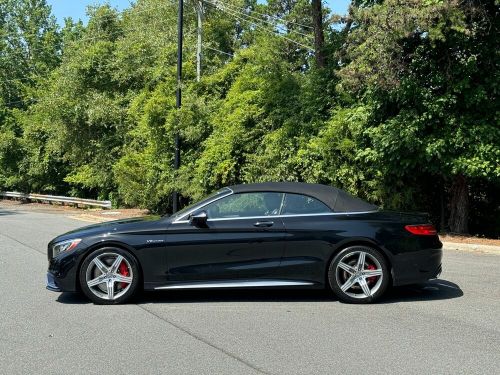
{"points": [[199, 12], [319, 37], [177, 152]]}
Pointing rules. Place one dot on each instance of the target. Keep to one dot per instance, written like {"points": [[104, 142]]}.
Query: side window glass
{"points": [[296, 204], [245, 205]]}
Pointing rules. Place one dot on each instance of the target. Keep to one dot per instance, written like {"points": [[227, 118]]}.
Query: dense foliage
{"points": [[401, 108]]}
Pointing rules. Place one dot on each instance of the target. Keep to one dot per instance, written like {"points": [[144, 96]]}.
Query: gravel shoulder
{"points": [[92, 215]]}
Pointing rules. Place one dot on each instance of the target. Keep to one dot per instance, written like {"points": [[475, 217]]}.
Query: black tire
{"points": [[127, 269], [343, 276]]}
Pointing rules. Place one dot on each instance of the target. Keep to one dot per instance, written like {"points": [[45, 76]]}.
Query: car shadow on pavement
{"points": [[235, 295], [8, 212], [430, 291], [214, 295], [72, 299]]}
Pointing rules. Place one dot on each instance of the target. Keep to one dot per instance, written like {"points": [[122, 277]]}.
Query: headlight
{"points": [[62, 246]]}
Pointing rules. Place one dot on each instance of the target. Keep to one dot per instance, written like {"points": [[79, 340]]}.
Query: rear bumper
{"points": [[416, 267]]}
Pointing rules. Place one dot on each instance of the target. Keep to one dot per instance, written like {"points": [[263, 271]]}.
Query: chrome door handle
{"points": [[263, 224]]}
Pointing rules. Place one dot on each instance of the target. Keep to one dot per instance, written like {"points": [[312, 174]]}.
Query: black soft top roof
{"points": [[338, 200]]}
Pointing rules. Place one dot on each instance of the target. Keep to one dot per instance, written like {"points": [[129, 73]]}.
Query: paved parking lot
{"points": [[447, 326]]}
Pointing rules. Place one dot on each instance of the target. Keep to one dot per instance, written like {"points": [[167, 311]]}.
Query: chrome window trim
{"points": [[179, 220], [235, 284], [283, 216]]}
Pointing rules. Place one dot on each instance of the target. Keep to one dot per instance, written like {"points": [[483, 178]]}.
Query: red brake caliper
{"points": [[123, 269], [371, 279]]}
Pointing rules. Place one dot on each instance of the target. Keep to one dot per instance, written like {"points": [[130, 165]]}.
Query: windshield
{"points": [[204, 201]]}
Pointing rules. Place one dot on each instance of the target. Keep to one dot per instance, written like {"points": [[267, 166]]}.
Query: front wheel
{"points": [[109, 276], [358, 274]]}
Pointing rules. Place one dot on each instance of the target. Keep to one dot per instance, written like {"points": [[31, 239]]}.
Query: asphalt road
{"points": [[447, 326]]}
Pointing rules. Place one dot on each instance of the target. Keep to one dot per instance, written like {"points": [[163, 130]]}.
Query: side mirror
{"points": [[199, 219]]}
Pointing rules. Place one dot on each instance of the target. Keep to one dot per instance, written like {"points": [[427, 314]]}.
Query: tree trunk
{"points": [[442, 214], [459, 205], [319, 37]]}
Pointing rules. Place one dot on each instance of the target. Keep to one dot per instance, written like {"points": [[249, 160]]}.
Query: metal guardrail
{"points": [[54, 198]]}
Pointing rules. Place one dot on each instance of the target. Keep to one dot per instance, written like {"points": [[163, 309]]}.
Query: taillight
{"points": [[422, 229]]}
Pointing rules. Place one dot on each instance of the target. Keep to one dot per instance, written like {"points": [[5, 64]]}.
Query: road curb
{"points": [[89, 218], [489, 249]]}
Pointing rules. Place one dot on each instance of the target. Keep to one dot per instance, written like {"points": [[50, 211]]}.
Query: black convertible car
{"points": [[269, 235]]}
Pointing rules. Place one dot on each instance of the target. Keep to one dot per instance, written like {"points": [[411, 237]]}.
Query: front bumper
{"points": [[62, 273], [51, 283]]}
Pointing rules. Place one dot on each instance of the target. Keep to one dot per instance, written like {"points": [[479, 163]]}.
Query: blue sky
{"points": [[76, 8]]}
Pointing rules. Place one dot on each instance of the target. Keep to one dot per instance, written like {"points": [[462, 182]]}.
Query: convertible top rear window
{"points": [[297, 204]]}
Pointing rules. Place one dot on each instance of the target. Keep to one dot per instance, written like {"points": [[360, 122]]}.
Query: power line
{"points": [[270, 16], [258, 25], [281, 23], [218, 50], [281, 27], [263, 27]]}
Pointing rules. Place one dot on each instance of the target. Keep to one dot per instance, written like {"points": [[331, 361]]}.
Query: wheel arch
{"points": [[101, 245]]}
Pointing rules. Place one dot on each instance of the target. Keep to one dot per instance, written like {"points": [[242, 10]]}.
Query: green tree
{"points": [[29, 50], [429, 71]]}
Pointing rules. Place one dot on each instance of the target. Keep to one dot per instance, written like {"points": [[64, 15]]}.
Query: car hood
{"points": [[110, 227]]}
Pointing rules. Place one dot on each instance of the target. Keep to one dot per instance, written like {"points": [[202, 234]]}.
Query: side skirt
{"points": [[237, 284]]}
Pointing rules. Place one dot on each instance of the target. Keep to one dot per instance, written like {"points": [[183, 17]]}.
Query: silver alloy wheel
{"points": [[103, 273], [359, 274]]}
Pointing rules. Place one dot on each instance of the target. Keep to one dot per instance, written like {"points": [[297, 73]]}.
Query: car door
{"points": [[243, 238], [310, 227]]}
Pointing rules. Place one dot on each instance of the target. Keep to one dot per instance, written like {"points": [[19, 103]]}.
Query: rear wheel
{"points": [[358, 274], [109, 276]]}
